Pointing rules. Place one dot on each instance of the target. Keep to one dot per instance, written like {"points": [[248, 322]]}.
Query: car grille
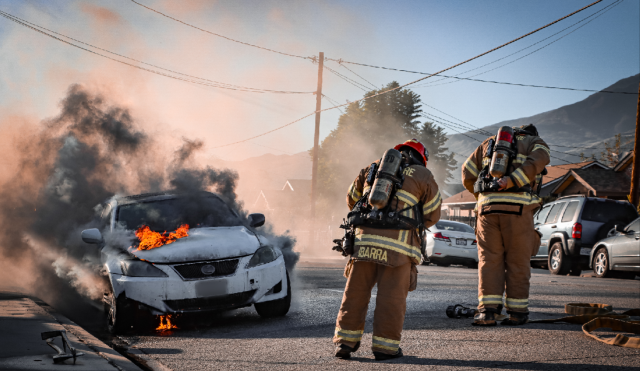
{"points": [[213, 303], [194, 271]]}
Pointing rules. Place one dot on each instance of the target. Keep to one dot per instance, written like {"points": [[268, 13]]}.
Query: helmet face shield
{"points": [[416, 145]]}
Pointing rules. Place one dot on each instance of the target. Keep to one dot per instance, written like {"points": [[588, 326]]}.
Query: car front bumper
{"points": [[173, 294]]}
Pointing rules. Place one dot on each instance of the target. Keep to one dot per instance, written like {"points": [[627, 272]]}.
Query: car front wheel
{"points": [[601, 263], [120, 314], [275, 308], [559, 263]]}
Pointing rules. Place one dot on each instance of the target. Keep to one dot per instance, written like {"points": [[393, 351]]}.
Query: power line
{"points": [[190, 79], [418, 80], [222, 36], [456, 77], [333, 102], [365, 80], [345, 78], [605, 9]]}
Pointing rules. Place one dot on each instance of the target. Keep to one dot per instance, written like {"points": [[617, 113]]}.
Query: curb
{"points": [[114, 358]]}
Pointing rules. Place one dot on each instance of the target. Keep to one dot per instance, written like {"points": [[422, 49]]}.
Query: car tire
{"points": [[120, 314], [275, 308], [424, 261], [442, 264], [472, 265], [559, 263], [601, 263]]}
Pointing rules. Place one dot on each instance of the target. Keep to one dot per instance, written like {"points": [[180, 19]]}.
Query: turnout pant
{"points": [[505, 246], [391, 304]]}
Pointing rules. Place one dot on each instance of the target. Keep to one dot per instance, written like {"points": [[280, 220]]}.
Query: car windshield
{"points": [[168, 215], [604, 211], [456, 227]]}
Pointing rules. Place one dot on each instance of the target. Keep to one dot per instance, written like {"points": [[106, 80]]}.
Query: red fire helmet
{"points": [[415, 144]]}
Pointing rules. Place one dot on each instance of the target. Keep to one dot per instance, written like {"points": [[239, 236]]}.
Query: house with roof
{"points": [[295, 194]]}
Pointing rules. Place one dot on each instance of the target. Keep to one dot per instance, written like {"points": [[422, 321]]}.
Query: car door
{"points": [[550, 226], [625, 252]]}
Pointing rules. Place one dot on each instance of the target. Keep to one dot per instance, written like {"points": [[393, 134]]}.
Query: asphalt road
{"points": [[302, 340]]}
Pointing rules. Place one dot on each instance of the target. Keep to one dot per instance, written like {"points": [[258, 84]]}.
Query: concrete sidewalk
{"points": [[23, 319]]}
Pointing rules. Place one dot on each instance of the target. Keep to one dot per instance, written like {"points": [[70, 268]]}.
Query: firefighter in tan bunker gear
{"points": [[388, 258], [504, 227]]}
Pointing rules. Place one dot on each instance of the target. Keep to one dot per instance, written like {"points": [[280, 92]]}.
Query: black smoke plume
{"points": [[92, 151]]}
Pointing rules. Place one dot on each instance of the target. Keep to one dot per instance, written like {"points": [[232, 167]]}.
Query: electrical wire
{"points": [[415, 81], [333, 102], [350, 81], [456, 77], [363, 79], [222, 36], [187, 78], [604, 10]]}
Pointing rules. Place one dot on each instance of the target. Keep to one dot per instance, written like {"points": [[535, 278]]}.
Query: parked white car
{"points": [[222, 263], [450, 242]]}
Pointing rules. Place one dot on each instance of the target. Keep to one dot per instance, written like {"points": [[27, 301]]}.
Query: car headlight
{"points": [[137, 268], [264, 255]]}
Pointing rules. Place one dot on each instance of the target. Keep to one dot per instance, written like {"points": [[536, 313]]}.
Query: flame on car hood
{"points": [[203, 244]]}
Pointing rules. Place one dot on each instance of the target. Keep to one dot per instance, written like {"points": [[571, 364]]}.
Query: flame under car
{"points": [[218, 262]]}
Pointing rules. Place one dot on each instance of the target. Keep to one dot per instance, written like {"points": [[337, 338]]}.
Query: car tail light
{"points": [[475, 242], [440, 237], [576, 231]]}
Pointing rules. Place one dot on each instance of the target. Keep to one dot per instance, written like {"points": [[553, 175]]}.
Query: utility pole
{"points": [[635, 171], [316, 138]]}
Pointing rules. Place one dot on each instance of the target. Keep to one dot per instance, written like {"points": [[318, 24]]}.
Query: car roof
{"points": [[158, 196], [451, 221], [599, 199]]}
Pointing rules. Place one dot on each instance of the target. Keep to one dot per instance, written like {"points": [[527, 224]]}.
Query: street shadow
{"points": [[161, 351]]}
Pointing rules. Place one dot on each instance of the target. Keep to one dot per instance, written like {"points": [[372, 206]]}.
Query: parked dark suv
{"points": [[571, 225]]}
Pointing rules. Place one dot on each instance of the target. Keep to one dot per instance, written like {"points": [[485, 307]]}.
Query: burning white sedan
{"points": [[210, 262], [450, 242]]}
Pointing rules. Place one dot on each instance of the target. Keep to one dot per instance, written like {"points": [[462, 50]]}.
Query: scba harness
{"points": [[366, 214]]}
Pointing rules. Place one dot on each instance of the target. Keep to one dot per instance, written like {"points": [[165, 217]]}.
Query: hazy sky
{"points": [[415, 35]]}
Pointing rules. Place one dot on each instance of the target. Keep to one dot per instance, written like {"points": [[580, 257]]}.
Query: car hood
{"points": [[204, 244]]}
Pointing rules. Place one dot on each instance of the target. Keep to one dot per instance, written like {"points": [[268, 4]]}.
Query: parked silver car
{"points": [[571, 226], [450, 242], [619, 253]]}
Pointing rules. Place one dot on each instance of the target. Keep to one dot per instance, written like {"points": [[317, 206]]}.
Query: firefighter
{"points": [[504, 174], [386, 257]]}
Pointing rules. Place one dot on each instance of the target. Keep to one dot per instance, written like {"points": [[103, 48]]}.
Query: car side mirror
{"points": [[256, 220], [619, 228], [92, 236]]}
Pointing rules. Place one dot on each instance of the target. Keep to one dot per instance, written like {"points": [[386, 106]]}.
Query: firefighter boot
{"points": [[486, 317], [384, 356], [344, 351], [516, 318]]}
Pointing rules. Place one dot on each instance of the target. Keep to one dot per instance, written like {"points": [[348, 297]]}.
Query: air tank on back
{"points": [[387, 176], [500, 159]]}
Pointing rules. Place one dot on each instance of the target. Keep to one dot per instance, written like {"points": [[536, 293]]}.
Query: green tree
{"points": [[441, 164], [364, 132]]}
